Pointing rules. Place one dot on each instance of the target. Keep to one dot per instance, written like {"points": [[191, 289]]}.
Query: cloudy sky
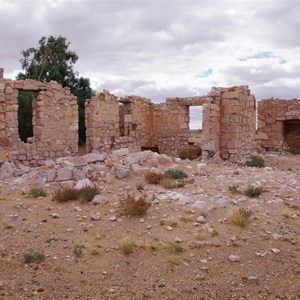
{"points": [[165, 48]]}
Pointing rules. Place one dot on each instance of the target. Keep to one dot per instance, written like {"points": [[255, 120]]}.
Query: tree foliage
{"points": [[53, 60]]}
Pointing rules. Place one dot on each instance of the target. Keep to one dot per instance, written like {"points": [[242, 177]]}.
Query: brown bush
{"points": [[132, 206], [66, 194], [153, 178]]}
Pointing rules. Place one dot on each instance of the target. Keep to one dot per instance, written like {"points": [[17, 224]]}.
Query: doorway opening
{"points": [[25, 115]]}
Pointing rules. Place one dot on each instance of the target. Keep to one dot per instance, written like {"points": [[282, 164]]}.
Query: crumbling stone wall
{"points": [[114, 124], [55, 122], [228, 123], [275, 116], [237, 113]]}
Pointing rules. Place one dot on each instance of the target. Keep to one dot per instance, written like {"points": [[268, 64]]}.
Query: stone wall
{"points": [[55, 122], [114, 124], [237, 112], [274, 117], [228, 123]]}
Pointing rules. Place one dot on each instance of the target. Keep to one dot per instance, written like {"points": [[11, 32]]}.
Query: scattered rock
{"points": [[99, 199], [201, 169], [95, 217], [234, 258], [83, 183], [201, 219], [122, 173]]}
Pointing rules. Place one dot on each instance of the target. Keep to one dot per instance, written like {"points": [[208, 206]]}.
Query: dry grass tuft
{"points": [[37, 191], [153, 178], [66, 194], [132, 206], [168, 182], [241, 216], [127, 245]]}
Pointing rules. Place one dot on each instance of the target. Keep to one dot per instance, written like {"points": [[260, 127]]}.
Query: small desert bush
{"points": [[190, 153], [134, 206], [173, 260], [287, 214], [168, 182], [88, 193], [66, 194], [294, 150], [175, 247], [253, 191], [30, 257], [175, 174], [8, 226], [139, 187], [35, 192], [258, 163], [153, 178], [78, 250], [126, 245], [234, 189], [241, 216]]}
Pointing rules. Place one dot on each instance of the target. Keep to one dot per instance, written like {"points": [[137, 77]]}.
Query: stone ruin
{"points": [[54, 120], [278, 124], [228, 123]]}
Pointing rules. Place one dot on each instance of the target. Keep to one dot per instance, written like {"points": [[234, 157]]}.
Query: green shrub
{"points": [[253, 192], [258, 163], [88, 193], [37, 192], [78, 250], [176, 174], [294, 150], [30, 257], [190, 153]]}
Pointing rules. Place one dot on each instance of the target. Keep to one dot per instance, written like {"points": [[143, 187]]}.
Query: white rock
{"points": [[50, 175], [99, 199], [201, 219], [95, 217], [234, 258], [275, 250], [113, 219], [136, 168], [201, 169], [94, 157], [82, 183], [169, 228], [120, 152], [122, 173], [64, 174], [199, 204], [55, 215], [77, 208]]}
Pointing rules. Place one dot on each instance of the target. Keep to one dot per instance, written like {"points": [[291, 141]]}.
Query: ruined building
{"points": [[279, 124], [54, 120], [228, 126], [228, 123]]}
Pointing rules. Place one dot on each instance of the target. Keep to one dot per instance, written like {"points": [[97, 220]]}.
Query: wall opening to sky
{"points": [[195, 113]]}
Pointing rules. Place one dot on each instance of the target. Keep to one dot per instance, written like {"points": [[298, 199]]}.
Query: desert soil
{"points": [[174, 257]]}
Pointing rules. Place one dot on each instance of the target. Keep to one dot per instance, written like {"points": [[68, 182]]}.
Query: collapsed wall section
{"points": [[55, 122], [278, 123]]}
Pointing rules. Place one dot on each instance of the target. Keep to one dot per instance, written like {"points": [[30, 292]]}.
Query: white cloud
{"points": [[159, 48]]}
